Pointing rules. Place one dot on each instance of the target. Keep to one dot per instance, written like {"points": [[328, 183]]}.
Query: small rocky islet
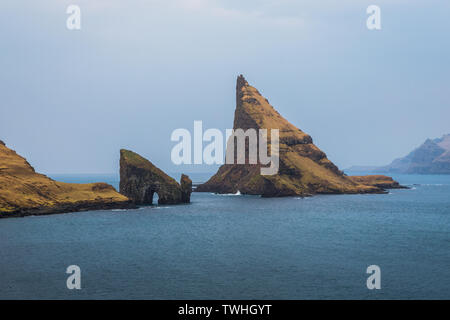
{"points": [[304, 170], [140, 180]]}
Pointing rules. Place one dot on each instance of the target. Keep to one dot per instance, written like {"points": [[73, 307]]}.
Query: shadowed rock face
{"points": [[304, 169], [186, 188], [25, 192], [140, 180]]}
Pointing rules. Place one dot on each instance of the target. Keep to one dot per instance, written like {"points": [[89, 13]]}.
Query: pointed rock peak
{"points": [[241, 82], [253, 110], [303, 168]]}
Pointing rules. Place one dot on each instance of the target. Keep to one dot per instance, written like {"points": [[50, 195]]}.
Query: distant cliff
{"points": [[432, 157], [25, 192], [304, 169], [140, 180]]}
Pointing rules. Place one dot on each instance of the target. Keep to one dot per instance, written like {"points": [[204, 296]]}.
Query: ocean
{"points": [[238, 247]]}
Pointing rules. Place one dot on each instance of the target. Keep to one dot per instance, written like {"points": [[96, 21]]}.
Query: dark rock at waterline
{"points": [[186, 188]]}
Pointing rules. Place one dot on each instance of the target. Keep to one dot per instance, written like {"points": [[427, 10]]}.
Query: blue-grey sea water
{"points": [[238, 247]]}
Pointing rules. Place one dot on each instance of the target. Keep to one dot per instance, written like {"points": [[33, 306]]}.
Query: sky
{"points": [[137, 70]]}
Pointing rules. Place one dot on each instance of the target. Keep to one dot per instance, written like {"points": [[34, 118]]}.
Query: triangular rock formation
{"points": [[140, 180], [303, 168]]}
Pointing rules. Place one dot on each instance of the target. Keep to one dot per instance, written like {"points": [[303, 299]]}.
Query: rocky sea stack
{"points": [[140, 180], [25, 192], [303, 168]]}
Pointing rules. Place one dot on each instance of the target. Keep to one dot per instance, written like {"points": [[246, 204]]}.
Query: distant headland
{"points": [[432, 157]]}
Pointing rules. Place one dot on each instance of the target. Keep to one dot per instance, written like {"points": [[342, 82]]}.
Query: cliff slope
{"points": [[140, 180], [25, 192], [303, 168]]}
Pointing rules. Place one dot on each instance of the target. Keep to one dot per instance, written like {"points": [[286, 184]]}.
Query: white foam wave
{"points": [[238, 193]]}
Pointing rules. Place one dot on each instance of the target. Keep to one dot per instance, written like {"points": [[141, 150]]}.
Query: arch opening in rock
{"points": [[140, 180]]}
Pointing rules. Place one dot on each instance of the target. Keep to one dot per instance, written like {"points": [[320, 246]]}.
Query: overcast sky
{"points": [[137, 70]]}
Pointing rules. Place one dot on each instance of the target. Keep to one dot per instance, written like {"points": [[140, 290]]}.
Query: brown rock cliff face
{"points": [[24, 192], [303, 168], [140, 180]]}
